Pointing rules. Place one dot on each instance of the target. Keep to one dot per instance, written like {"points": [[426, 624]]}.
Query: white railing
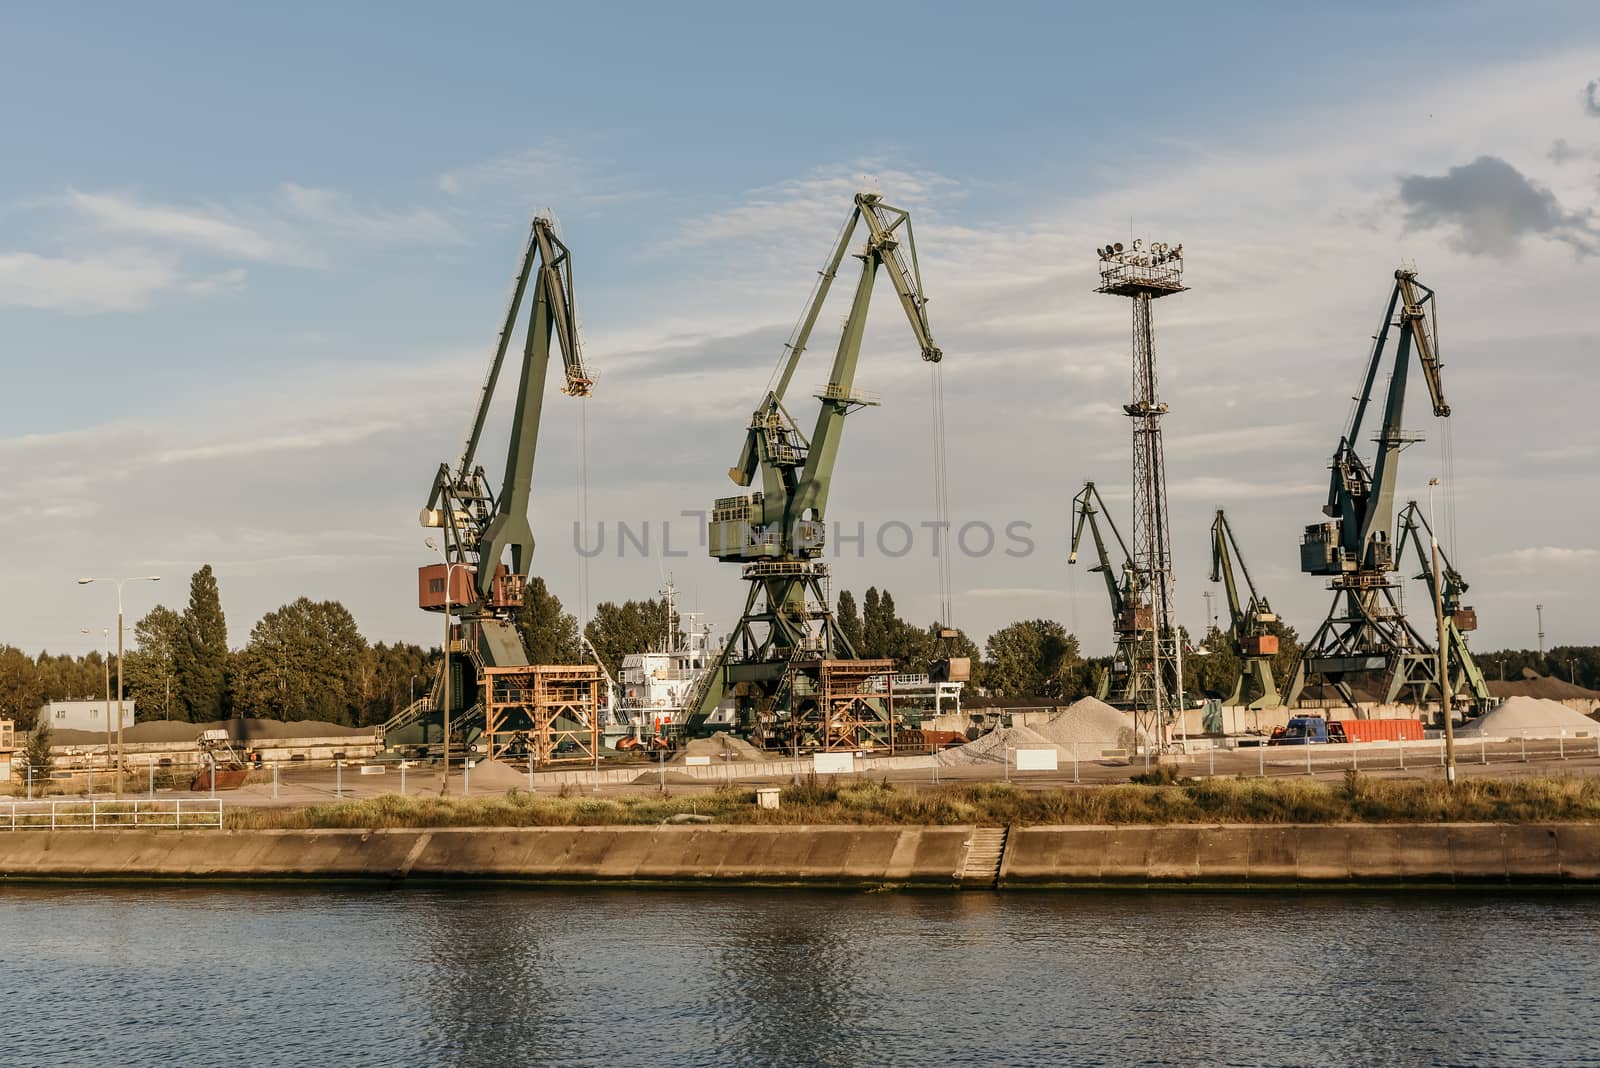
{"points": [[94, 815]]}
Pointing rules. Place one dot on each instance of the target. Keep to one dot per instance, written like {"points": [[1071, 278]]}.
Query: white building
{"points": [[84, 715]]}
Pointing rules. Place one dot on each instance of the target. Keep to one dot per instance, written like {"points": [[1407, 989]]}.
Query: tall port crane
{"points": [[1465, 677], [1249, 623], [1366, 633], [1129, 618], [481, 526], [785, 660]]}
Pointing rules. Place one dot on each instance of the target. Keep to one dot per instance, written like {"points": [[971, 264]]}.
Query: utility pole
{"points": [[1142, 275], [117, 772], [1444, 649]]}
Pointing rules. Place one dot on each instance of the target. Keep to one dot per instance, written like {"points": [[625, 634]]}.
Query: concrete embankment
{"points": [[1256, 856]]}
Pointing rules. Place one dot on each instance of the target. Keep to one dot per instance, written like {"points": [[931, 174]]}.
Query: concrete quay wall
{"points": [[707, 855], [1303, 855], [1238, 856]]}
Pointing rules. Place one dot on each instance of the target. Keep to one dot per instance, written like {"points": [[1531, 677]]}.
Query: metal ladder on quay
{"points": [[980, 870]]}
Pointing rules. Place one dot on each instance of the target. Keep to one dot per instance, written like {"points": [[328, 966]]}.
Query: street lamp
{"points": [[1444, 655], [449, 568], [117, 774]]}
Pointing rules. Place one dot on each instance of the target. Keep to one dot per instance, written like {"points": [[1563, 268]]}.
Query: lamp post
{"points": [[444, 667], [1444, 654], [117, 773]]}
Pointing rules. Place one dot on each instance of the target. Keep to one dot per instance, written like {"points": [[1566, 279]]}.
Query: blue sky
{"points": [[251, 261]]}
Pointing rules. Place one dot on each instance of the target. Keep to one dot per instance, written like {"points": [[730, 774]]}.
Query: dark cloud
{"points": [[1562, 152], [1493, 207], [1591, 98]]}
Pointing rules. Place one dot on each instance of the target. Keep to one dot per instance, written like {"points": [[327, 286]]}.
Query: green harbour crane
{"points": [[481, 525], [1366, 636], [1465, 677], [787, 634], [1249, 623], [1130, 621]]}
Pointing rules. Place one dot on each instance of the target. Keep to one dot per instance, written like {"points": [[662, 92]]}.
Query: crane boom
{"points": [[1084, 512], [481, 525], [777, 533], [1366, 634], [1249, 622], [1465, 675], [1130, 614]]}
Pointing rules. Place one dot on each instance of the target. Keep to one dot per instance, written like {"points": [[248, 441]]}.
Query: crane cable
{"points": [[583, 515], [1447, 449], [941, 496], [805, 309]]}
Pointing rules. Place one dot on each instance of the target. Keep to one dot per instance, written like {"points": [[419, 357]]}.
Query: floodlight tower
{"points": [[1155, 686]]}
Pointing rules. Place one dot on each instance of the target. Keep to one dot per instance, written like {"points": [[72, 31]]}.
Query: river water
{"points": [[172, 976]]}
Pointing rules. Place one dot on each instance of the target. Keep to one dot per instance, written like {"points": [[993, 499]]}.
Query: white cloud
{"points": [[545, 166], [547, 175], [1541, 558], [209, 227], [335, 210], [114, 280]]}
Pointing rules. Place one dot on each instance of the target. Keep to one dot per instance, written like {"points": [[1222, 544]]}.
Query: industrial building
{"points": [[85, 715]]}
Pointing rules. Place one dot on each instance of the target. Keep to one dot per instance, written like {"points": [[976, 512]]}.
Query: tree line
{"points": [[308, 659]]}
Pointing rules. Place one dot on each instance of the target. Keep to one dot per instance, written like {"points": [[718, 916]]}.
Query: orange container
{"points": [[1382, 730]]}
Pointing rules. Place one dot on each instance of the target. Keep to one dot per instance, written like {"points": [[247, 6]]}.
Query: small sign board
{"points": [[697, 760], [1036, 760], [833, 763]]}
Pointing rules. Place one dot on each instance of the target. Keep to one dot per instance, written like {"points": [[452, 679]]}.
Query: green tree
{"points": [[36, 755], [392, 676], [201, 667], [549, 633], [850, 621], [631, 627], [303, 661], [876, 628], [1034, 658], [1288, 652], [151, 674], [20, 693]]}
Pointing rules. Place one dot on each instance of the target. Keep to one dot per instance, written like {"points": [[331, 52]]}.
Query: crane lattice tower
{"points": [[1155, 686]]}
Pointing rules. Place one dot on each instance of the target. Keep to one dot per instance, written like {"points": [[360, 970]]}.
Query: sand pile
{"points": [[492, 776], [722, 748], [1089, 725], [668, 778], [991, 748], [1533, 684], [1530, 717]]}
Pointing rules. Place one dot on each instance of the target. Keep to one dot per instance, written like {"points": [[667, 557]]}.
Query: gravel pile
{"points": [[722, 748], [991, 748], [239, 730], [1530, 717], [492, 776], [667, 778], [1089, 724]]}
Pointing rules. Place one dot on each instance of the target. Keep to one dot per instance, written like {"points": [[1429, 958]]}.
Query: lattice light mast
{"points": [[1155, 685]]}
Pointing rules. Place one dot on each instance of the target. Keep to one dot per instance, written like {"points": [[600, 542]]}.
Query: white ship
{"points": [[654, 687]]}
